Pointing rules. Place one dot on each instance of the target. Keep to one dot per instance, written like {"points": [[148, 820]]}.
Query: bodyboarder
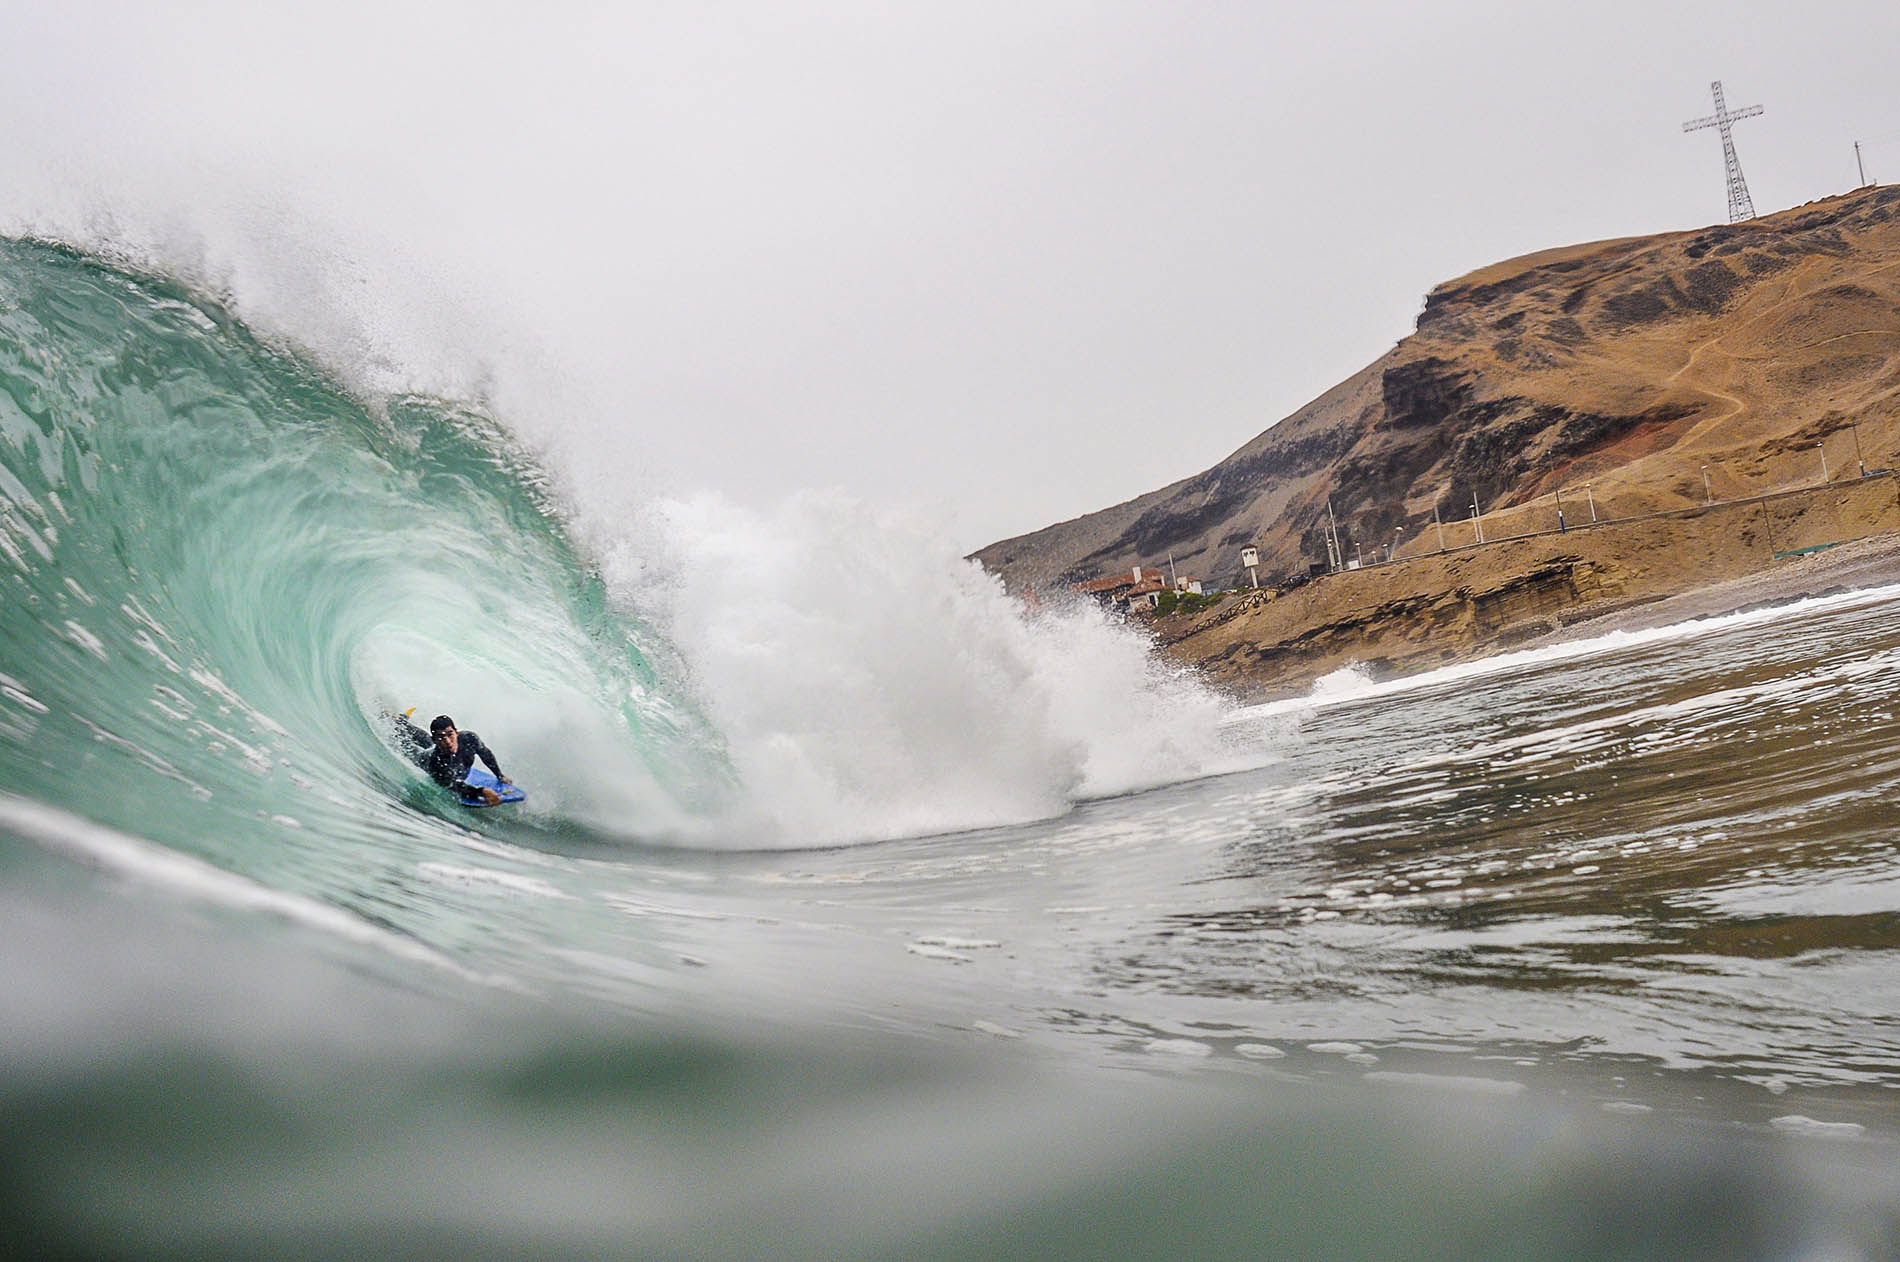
{"points": [[447, 753]]}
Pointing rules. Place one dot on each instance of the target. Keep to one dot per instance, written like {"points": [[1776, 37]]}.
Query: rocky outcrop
{"points": [[1442, 607], [1414, 630]]}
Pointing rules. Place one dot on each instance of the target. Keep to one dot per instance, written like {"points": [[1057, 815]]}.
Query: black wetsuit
{"points": [[446, 769]]}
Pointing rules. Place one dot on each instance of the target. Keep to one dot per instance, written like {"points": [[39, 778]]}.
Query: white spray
{"points": [[870, 682]]}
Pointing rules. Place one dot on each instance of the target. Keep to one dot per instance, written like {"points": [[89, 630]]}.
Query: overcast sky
{"points": [[1006, 262]]}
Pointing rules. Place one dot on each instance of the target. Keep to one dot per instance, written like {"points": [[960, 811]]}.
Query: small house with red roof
{"points": [[1114, 589], [1134, 588]]}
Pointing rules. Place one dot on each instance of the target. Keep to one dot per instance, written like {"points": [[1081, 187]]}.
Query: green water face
{"points": [[216, 566]]}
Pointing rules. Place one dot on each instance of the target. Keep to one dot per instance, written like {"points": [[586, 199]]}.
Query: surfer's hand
{"points": [[491, 797]]}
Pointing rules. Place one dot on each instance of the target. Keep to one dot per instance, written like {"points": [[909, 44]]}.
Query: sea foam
{"points": [[871, 682]]}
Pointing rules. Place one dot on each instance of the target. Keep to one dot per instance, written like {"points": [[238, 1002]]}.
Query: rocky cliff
{"points": [[1614, 376], [1441, 607]]}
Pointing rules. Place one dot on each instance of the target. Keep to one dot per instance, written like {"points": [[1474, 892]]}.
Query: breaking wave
{"points": [[221, 566]]}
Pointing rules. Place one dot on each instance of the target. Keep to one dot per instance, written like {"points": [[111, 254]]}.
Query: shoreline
{"points": [[1852, 566], [1269, 647]]}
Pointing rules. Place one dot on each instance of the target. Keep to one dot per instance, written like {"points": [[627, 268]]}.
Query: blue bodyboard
{"points": [[479, 777]]}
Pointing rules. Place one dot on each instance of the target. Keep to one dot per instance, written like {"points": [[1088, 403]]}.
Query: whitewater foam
{"points": [[867, 681], [1354, 683]]}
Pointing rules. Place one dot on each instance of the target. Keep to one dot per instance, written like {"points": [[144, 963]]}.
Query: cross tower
{"points": [[1740, 207]]}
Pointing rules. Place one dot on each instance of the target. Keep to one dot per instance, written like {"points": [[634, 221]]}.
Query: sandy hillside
{"points": [[1614, 374]]}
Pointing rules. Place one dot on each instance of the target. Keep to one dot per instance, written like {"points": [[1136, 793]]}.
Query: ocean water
{"points": [[855, 909]]}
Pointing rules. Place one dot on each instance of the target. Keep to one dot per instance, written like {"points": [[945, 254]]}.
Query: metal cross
{"points": [[1740, 206]]}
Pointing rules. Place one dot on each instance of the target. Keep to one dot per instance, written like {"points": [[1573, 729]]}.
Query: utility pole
{"points": [[1560, 510], [1858, 458], [1441, 526], [1172, 582], [1708, 496], [1339, 552], [1822, 448], [1593, 500], [1477, 518], [1740, 205], [1860, 164]]}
